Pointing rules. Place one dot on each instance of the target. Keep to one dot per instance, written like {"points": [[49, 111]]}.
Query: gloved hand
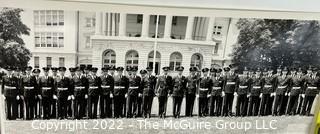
{"points": [[69, 97], [197, 95], [223, 94], [303, 95], [139, 95], [235, 94], [126, 95], [72, 97], [260, 96], [55, 97], [86, 96], [111, 95], [248, 95], [40, 97], [18, 97], [208, 95], [286, 94]]}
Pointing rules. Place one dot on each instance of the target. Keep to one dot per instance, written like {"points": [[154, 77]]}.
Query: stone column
{"points": [[145, 25], [189, 28], [168, 25], [98, 28], [122, 24], [210, 29]]}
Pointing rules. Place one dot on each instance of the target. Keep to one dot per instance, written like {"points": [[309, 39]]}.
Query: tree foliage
{"points": [[274, 42], [12, 47]]}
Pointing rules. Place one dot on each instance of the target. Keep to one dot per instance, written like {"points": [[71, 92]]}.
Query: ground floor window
{"points": [[196, 61], [132, 58], [175, 61], [109, 58], [157, 61]]}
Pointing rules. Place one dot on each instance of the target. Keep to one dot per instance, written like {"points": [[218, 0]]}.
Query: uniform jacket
{"points": [[108, 81], [134, 81], [179, 86], [63, 82], [148, 85], [282, 81], [94, 81], [205, 85], [122, 81], [192, 83], [268, 83], [230, 84], [46, 82], [245, 83], [256, 86], [11, 81], [217, 83], [79, 81], [296, 83], [312, 82], [29, 81]]}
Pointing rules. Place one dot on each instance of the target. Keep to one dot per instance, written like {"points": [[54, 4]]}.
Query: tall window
{"points": [[48, 17], [216, 48], [36, 62], [49, 39], [196, 61], [139, 18], [49, 62], [109, 58], [61, 62], [175, 61], [157, 59], [132, 58], [217, 30]]}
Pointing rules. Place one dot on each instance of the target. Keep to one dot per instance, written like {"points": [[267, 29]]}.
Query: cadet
{"points": [[46, 87], [121, 85], [244, 85], [163, 87], [294, 92], [54, 97], [80, 83], [216, 100], [70, 101], [93, 93], [20, 99], [203, 91], [230, 85], [192, 85], [107, 87], [38, 100], [281, 84], [63, 92], [268, 81], [133, 93], [313, 87], [179, 87], [29, 94], [148, 83], [10, 92], [254, 94]]}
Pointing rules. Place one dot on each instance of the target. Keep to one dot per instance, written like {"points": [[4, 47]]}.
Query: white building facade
{"points": [[73, 38]]}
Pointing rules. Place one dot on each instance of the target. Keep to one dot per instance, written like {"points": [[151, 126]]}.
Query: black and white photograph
{"points": [[125, 67]]}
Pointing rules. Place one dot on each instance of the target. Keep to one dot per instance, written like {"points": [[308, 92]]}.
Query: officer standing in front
{"points": [[46, 87], [80, 83], [204, 90], [163, 87], [244, 85], [133, 93], [179, 89], [148, 83], [254, 94], [268, 81], [230, 85], [312, 90], [107, 87], [54, 98], [20, 99], [192, 85], [10, 92], [93, 93], [63, 85], [121, 85], [29, 93]]}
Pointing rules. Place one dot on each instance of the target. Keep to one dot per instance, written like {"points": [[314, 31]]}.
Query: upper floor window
{"points": [[49, 39], [139, 18], [90, 22], [36, 62], [61, 62], [217, 30], [48, 17]]}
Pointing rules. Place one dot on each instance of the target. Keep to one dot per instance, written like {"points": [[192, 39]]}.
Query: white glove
{"points": [[235, 94], [86, 96], [126, 95], [139, 94], [303, 95], [18, 97], [260, 96], [69, 97], [55, 97], [111, 95], [223, 94], [208, 95], [72, 97], [289, 94], [40, 97], [286, 94], [248, 95], [197, 95]]}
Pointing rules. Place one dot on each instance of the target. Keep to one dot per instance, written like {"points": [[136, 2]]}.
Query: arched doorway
{"points": [[108, 58], [196, 61], [132, 58], [157, 60]]}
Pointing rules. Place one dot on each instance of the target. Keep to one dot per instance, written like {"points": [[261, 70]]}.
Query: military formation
{"points": [[115, 94]]}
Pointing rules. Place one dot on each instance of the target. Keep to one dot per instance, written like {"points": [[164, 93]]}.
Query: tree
{"points": [[274, 42], [12, 47]]}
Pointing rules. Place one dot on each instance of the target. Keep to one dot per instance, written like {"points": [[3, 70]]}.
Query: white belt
{"points": [[295, 87], [93, 87], [216, 88], [282, 87], [105, 86], [243, 86], [46, 88], [231, 83], [256, 87], [312, 87], [62, 88], [133, 87], [9, 87], [28, 88], [118, 87], [267, 86], [203, 89], [79, 87]]}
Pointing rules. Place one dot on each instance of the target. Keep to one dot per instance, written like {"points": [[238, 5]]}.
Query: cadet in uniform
{"points": [[204, 90], [38, 99], [163, 87], [148, 83], [192, 85], [244, 85], [63, 92], [255, 93], [10, 92], [93, 93], [80, 85], [20, 99], [216, 90], [29, 94], [230, 84], [294, 92], [313, 87], [72, 71], [46, 87], [107, 86], [178, 91], [268, 81], [281, 84], [121, 85], [54, 98], [133, 93]]}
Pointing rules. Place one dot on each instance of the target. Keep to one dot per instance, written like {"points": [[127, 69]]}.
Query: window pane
{"points": [[135, 61], [36, 62], [61, 62], [61, 18], [42, 18], [171, 65]]}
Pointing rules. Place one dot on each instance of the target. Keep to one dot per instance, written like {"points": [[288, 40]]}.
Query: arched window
{"points": [[175, 60], [132, 58], [157, 64], [196, 61], [109, 58]]}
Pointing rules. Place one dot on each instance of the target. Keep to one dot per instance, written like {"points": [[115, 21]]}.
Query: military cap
{"points": [[285, 69], [245, 69], [143, 71], [88, 67], [165, 68], [94, 69], [205, 69], [36, 70], [62, 68], [120, 68], [314, 69], [180, 68], [191, 69], [112, 67], [28, 68], [149, 68], [134, 69], [213, 70], [8, 68], [82, 67], [78, 69], [226, 69], [72, 69], [219, 70], [265, 69], [258, 69], [128, 68], [17, 69], [54, 69], [45, 69], [106, 68]]}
